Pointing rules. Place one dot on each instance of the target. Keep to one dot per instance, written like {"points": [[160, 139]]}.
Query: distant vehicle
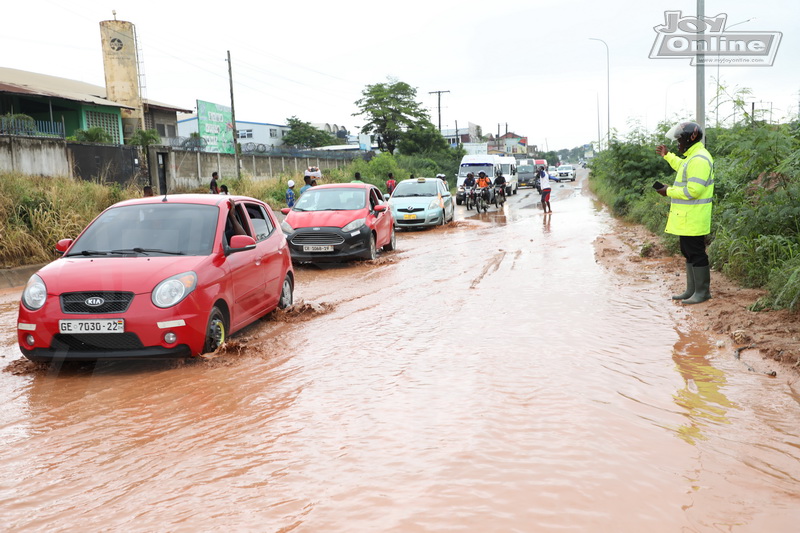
{"points": [[422, 202], [338, 222], [552, 171], [566, 172], [157, 277], [526, 174], [508, 166]]}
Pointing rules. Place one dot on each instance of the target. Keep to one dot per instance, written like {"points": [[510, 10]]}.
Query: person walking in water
{"points": [[544, 185]]}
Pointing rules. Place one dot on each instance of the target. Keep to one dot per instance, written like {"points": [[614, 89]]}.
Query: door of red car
{"points": [[383, 219], [273, 251], [247, 277]]}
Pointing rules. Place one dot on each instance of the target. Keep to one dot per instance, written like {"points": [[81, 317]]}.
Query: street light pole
{"points": [[608, 91]]}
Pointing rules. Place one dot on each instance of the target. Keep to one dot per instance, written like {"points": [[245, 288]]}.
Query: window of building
{"points": [[283, 133], [108, 121], [273, 133], [245, 134]]}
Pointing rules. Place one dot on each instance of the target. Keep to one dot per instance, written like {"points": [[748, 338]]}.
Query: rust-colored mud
{"points": [[506, 372]]}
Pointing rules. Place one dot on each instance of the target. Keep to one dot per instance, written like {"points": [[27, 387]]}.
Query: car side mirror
{"points": [[285, 210], [240, 243], [386, 197], [63, 245], [380, 208]]}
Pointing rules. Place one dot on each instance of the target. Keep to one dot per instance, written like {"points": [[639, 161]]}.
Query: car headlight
{"points": [[434, 204], [354, 225], [286, 227], [35, 294], [174, 289]]}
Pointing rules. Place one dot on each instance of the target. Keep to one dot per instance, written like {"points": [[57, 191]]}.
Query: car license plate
{"points": [[100, 325], [318, 248], [409, 217]]}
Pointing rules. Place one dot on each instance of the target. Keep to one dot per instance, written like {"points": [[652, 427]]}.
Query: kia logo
{"points": [[94, 302]]}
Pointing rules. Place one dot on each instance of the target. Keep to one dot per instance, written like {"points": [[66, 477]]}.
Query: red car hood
{"points": [[312, 219], [134, 274]]}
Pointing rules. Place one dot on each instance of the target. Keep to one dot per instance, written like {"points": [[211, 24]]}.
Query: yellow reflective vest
{"points": [[692, 192]]}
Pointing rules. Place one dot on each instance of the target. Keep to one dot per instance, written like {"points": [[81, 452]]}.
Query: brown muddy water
{"points": [[487, 376]]}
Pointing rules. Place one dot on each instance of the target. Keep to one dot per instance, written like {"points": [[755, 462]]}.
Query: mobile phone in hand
{"points": [[658, 185]]}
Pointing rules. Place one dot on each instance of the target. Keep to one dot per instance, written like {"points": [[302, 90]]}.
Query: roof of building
{"points": [[34, 84]]}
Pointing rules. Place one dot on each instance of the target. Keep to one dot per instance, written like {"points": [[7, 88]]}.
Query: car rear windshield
{"points": [[466, 168], [158, 229], [335, 199], [415, 188]]}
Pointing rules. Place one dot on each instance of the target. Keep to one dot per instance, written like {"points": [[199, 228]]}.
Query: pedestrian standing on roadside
{"points": [[690, 206], [213, 188], [290, 194], [544, 185], [357, 178], [147, 191], [223, 189], [391, 183]]}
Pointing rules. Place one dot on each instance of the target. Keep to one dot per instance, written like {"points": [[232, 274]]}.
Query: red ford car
{"points": [[157, 277], [337, 222]]}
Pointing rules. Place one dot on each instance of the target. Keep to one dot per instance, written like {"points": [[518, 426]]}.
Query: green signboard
{"points": [[215, 125]]}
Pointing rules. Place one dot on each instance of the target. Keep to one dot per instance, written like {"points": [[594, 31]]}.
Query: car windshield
{"points": [[475, 168], [415, 188], [334, 199], [150, 229], [565, 167], [551, 168], [522, 169]]}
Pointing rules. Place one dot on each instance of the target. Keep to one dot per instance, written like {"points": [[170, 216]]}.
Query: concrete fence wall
{"points": [[174, 169], [33, 156]]}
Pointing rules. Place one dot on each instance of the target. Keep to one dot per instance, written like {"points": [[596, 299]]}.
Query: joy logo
{"points": [[706, 42]]}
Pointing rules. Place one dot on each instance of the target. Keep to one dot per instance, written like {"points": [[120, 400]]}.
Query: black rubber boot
{"points": [[702, 281], [689, 285]]}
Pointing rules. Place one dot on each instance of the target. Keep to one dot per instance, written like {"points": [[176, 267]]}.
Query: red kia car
{"points": [[337, 222], [157, 277]]}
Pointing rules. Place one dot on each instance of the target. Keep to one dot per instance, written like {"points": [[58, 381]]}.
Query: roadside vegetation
{"points": [[755, 237]]}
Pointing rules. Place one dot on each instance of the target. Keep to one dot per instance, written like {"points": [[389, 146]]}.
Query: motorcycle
{"points": [[499, 195], [482, 199], [469, 197]]}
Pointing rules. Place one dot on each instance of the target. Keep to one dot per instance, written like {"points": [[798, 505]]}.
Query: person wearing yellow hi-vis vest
{"points": [[690, 206]]}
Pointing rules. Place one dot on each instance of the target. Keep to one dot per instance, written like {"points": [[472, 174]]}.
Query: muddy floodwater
{"points": [[491, 375]]}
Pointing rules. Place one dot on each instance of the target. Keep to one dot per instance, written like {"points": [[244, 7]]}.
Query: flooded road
{"points": [[486, 376]]}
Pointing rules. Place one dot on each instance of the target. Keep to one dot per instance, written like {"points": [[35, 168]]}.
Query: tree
{"points": [[144, 138], [93, 135], [390, 109], [304, 134], [422, 138]]}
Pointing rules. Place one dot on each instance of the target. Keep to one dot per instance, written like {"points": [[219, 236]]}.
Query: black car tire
{"points": [[372, 252], [458, 202], [287, 293], [216, 330], [392, 244]]}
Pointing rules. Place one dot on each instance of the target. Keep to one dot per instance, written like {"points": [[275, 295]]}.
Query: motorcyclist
{"points": [[469, 181], [485, 183], [500, 183]]}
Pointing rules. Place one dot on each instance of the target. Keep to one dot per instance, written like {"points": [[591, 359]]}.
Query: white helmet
{"points": [[291, 183]]}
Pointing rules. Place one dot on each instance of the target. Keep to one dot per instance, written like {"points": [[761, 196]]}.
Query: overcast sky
{"points": [[529, 63]]}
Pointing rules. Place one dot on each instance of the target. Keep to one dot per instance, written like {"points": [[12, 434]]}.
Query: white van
{"points": [[490, 164], [508, 166]]}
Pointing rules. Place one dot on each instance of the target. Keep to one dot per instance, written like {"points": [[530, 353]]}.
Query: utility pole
{"points": [[233, 120], [700, 100], [439, 95]]}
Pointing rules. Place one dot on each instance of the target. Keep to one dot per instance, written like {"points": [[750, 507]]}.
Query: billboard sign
{"points": [[215, 125]]}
